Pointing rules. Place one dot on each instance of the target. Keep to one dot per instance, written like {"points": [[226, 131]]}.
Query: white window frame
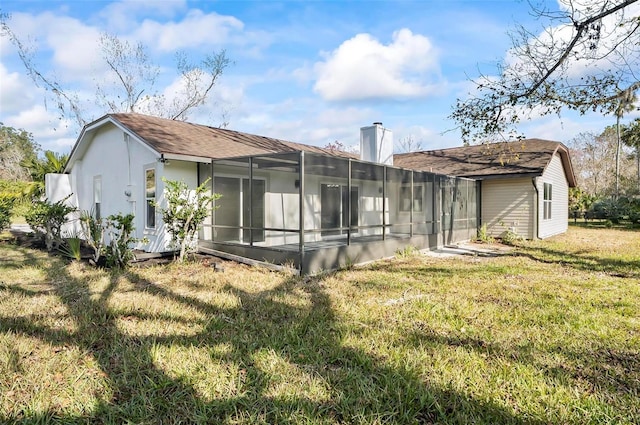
{"points": [[97, 197], [147, 198], [547, 201]]}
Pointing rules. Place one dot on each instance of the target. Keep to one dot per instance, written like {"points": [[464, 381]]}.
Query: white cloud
{"points": [[17, 92], [195, 30], [122, 16], [302, 120], [427, 138], [554, 128], [51, 132], [67, 43], [74, 45], [363, 68]]}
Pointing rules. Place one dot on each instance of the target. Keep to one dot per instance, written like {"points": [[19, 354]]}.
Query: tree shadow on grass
{"points": [[583, 261], [358, 387], [612, 373]]}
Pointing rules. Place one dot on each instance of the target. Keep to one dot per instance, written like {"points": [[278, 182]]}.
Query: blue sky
{"points": [[306, 71]]}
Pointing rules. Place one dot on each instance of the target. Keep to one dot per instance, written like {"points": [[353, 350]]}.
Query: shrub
{"points": [[407, 252], [46, 219], [605, 209], [117, 252], [509, 237], [630, 208], [185, 212], [6, 208], [71, 246], [93, 232], [483, 235], [616, 210]]}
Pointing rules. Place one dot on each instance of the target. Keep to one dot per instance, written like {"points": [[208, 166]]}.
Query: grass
{"points": [[549, 333]]}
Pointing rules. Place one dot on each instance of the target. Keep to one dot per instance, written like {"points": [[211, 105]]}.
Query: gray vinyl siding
{"points": [[558, 223], [509, 204]]}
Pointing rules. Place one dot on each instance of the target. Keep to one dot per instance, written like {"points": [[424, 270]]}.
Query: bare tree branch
{"points": [[130, 85], [585, 59]]}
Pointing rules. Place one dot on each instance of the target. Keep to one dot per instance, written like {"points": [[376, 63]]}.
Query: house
{"points": [[282, 202], [524, 185]]}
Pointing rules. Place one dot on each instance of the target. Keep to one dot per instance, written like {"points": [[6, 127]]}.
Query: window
{"points": [[97, 196], [546, 204], [407, 200], [150, 198]]}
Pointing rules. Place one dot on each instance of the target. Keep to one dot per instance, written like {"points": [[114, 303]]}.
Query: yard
{"points": [[549, 333]]}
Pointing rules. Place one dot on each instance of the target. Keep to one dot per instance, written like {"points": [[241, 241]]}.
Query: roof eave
{"points": [[503, 176], [88, 129], [188, 158]]}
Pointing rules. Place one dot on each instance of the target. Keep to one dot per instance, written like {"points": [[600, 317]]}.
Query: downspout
{"points": [[479, 221], [301, 191], [129, 192], [126, 140], [534, 181]]}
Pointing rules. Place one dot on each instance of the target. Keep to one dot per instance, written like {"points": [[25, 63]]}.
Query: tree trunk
{"points": [[618, 156], [185, 240]]}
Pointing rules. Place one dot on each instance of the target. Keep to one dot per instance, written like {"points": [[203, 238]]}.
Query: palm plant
{"points": [[52, 163]]}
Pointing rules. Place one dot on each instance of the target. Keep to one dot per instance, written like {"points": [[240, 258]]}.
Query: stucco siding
{"points": [[558, 222], [508, 204], [119, 166]]}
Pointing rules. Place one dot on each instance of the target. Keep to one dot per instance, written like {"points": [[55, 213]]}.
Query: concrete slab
{"points": [[469, 249]]}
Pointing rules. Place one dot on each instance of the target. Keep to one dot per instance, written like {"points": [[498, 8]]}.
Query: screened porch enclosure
{"points": [[319, 212]]}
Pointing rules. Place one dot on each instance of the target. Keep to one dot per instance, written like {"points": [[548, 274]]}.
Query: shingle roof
{"points": [[184, 138], [528, 157]]}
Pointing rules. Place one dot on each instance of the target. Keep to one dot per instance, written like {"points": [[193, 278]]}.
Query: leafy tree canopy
{"points": [[631, 134], [16, 146], [585, 58]]}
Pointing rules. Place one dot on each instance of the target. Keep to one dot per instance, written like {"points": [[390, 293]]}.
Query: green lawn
{"points": [[549, 333]]}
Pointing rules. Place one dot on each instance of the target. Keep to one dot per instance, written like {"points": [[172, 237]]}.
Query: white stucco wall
{"points": [[184, 171], [554, 174], [120, 166], [57, 188]]}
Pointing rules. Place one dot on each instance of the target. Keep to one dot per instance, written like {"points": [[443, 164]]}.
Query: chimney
{"points": [[376, 144]]}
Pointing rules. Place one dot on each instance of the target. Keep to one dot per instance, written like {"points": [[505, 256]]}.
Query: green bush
{"points": [[186, 211], [93, 232], [46, 219], [630, 207], [483, 235], [6, 209], [509, 237], [605, 209], [71, 246], [616, 211], [407, 252], [117, 252], [14, 199]]}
